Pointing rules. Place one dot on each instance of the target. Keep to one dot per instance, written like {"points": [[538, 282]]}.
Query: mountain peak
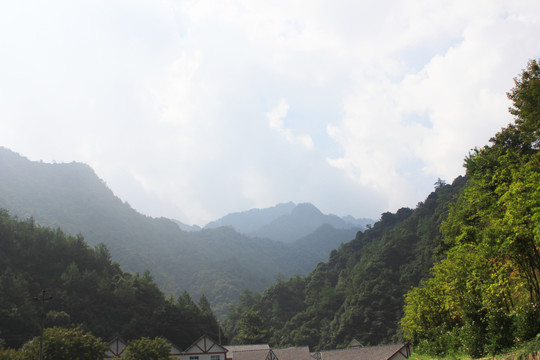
{"points": [[306, 209]]}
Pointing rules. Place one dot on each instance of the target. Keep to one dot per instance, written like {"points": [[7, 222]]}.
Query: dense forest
{"points": [[87, 289], [216, 262], [358, 293], [485, 295]]}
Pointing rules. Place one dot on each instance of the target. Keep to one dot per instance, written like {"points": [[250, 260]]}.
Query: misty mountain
{"points": [[359, 292], [361, 222], [303, 220], [218, 262], [186, 227], [286, 222], [251, 220], [323, 240]]}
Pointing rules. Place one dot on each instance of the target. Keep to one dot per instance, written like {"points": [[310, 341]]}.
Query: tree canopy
{"points": [[65, 344], [87, 288], [148, 349], [358, 293], [486, 292]]}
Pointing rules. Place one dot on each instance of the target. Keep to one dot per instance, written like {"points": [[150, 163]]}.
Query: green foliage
{"points": [[10, 354], [148, 349], [65, 344], [87, 288], [488, 286], [252, 329], [218, 263], [358, 293]]}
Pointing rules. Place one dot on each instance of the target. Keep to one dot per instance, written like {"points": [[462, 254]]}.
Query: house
{"points": [[175, 351], [383, 352], [262, 354], [232, 349], [293, 353], [116, 348], [207, 349], [355, 344], [204, 349]]}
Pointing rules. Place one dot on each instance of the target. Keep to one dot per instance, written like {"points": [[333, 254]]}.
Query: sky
{"points": [[195, 109]]}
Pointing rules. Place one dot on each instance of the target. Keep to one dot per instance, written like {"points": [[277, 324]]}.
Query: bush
{"points": [[527, 323], [65, 344]]}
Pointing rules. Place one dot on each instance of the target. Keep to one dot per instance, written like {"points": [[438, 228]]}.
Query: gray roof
{"points": [[293, 353], [234, 349], [263, 354], [383, 352]]}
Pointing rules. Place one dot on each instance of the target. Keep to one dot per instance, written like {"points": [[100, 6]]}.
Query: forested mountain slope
{"points": [[216, 262], [484, 297], [87, 289], [359, 292]]}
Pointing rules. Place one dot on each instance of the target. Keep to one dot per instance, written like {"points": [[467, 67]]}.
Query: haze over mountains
{"points": [[241, 250], [285, 222]]}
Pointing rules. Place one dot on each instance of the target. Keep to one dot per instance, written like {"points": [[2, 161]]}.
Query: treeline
{"points": [[73, 198], [485, 295], [87, 290], [358, 293]]}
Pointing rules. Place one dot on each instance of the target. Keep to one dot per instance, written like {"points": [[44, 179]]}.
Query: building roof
{"points": [[205, 345], [262, 354], [293, 353], [383, 352], [174, 350], [355, 343], [233, 348], [116, 347]]}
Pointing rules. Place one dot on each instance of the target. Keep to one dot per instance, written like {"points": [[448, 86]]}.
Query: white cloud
{"points": [[458, 99], [182, 100], [275, 122]]}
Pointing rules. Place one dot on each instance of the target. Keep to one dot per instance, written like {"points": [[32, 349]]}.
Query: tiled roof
{"points": [[293, 353], [262, 354], [383, 352], [205, 345], [233, 348]]}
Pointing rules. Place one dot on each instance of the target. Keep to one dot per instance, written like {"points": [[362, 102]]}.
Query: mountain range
{"points": [[285, 222], [238, 251]]}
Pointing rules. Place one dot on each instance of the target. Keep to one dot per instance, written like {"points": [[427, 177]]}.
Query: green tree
{"points": [[11, 354], [252, 329], [487, 290], [17, 314], [148, 349], [66, 344]]}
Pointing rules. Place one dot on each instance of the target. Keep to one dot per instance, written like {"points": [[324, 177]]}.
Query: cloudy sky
{"points": [[194, 109]]}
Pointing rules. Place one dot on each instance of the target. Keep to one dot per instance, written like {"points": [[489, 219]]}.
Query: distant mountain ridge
{"points": [[304, 219], [249, 221], [286, 222], [218, 262]]}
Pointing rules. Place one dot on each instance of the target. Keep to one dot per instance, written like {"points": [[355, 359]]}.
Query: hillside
{"points": [[87, 289], [485, 294], [217, 262], [358, 293]]}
